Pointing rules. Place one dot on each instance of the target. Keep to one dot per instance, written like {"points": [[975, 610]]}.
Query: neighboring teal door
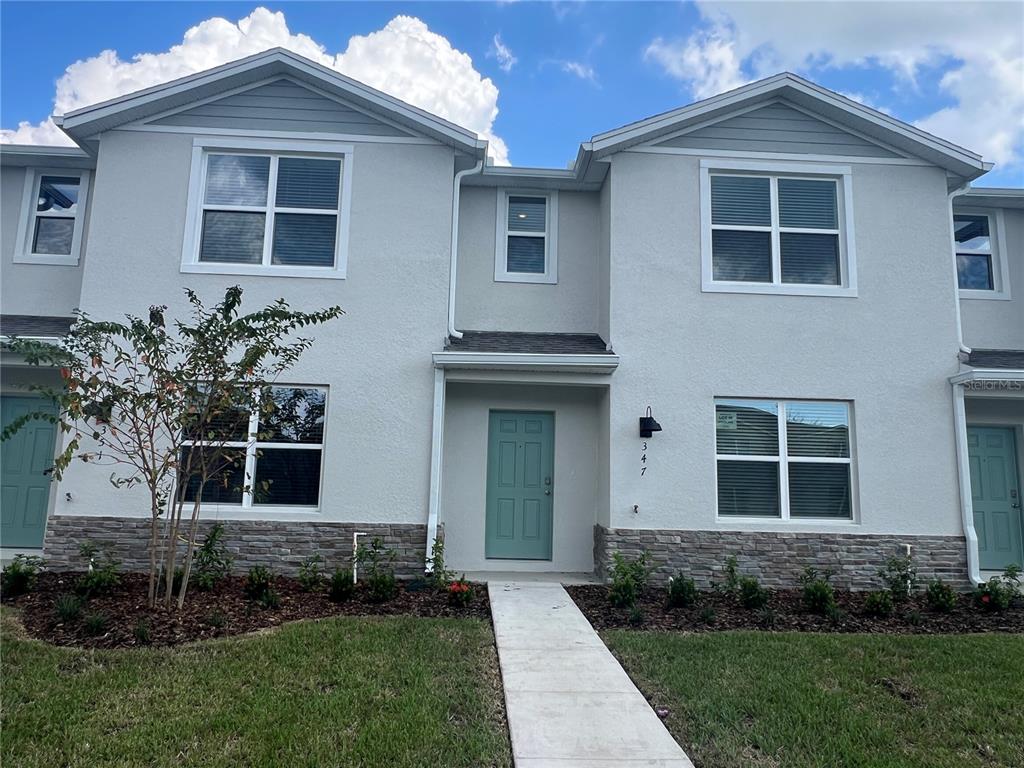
{"points": [[995, 491], [25, 488], [520, 485]]}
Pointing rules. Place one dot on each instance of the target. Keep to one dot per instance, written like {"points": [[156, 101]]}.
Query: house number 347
{"points": [[643, 458]]}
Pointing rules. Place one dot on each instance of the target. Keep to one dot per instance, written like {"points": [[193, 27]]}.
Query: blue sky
{"points": [[956, 69]]}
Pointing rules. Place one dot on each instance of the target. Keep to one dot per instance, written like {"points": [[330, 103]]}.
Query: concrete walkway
{"points": [[570, 704]]}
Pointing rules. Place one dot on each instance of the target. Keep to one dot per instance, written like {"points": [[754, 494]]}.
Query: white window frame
{"points": [[782, 460], [550, 235], [841, 174], [1000, 263], [203, 147], [27, 221], [251, 445]]}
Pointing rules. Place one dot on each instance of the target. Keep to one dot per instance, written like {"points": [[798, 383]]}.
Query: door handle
{"points": [[547, 492]]}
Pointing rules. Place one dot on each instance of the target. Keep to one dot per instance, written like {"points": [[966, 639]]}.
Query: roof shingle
{"points": [[529, 343], [35, 325], [996, 358]]}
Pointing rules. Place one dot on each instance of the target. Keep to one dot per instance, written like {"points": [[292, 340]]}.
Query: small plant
{"points": [[900, 577], [439, 576], [211, 561], [20, 575], [682, 592], [879, 604], [102, 575], [997, 593], [94, 623], [707, 615], [767, 618], [342, 587], [941, 597], [216, 619], [751, 594], [629, 579], [460, 592], [835, 614], [731, 585], [259, 587], [380, 579], [68, 608], [636, 616], [914, 618], [818, 595], [141, 631], [311, 574]]}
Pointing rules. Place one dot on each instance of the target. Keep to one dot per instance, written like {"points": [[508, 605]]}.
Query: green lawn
{"points": [[339, 692], [789, 700]]}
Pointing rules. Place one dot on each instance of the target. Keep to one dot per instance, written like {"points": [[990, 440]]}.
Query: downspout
{"points": [[956, 279], [436, 459], [964, 476], [453, 267]]}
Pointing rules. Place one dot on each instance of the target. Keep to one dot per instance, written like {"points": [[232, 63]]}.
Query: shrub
{"points": [[141, 631], [311, 575], [376, 560], [900, 577], [835, 614], [216, 619], [629, 579], [68, 608], [914, 618], [636, 616], [879, 604], [818, 595], [19, 576], [751, 594], [998, 593], [682, 592], [707, 614], [731, 585], [460, 592], [94, 623], [940, 596], [439, 576], [341, 587], [102, 574], [211, 561], [259, 587], [767, 618]]}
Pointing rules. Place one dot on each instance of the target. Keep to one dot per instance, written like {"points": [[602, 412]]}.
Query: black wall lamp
{"points": [[648, 426]]}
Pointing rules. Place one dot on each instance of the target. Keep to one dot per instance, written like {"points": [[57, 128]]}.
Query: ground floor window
{"points": [[274, 451], [783, 459]]}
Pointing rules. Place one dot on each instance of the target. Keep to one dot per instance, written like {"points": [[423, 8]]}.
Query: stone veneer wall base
{"points": [[279, 545], [778, 559]]}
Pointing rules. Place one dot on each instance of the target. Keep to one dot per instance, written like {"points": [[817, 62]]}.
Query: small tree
{"points": [[169, 409]]}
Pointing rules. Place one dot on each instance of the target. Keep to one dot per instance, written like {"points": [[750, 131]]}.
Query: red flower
{"points": [[986, 598]]}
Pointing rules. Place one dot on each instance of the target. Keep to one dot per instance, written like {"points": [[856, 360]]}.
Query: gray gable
{"points": [[778, 128], [281, 106]]}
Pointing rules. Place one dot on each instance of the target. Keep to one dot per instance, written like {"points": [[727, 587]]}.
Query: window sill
{"points": [[970, 293], [525, 277], [779, 290], [778, 524], [46, 259], [262, 271], [259, 511]]}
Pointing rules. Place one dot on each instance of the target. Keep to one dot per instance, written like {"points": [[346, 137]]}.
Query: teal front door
{"points": [[23, 461], [520, 485], [995, 491]]}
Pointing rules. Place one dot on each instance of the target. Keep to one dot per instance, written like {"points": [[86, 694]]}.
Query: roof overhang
{"points": [[583, 175], [989, 374], [35, 155], [510, 361], [991, 197], [85, 124]]}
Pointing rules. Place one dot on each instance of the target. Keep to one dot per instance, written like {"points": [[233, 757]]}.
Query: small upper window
{"points": [[526, 241], [775, 233], [973, 252], [52, 231]]}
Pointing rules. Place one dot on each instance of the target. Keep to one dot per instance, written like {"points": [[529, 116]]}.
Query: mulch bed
{"points": [[221, 612], [785, 613]]}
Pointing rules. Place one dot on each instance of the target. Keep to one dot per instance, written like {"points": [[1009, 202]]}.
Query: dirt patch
{"points": [[785, 612], [221, 612]]}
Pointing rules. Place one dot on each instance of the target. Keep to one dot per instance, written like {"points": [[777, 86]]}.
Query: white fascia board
{"points": [[988, 374], [514, 360]]}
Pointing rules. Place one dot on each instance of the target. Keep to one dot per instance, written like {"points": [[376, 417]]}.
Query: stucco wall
{"points": [[376, 359], [995, 323], [890, 351], [33, 289], [576, 481], [570, 306]]}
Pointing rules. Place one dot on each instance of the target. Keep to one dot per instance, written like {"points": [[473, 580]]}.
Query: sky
{"points": [[537, 78]]}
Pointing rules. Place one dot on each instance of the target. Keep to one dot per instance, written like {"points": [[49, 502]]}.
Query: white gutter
{"points": [[964, 475], [956, 278], [453, 267], [436, 459]]}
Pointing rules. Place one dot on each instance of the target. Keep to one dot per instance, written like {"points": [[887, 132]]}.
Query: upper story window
{"points": [[50, 231], [775, 228], [281, 212], [783, 459], [981, 269], [525, 250]]}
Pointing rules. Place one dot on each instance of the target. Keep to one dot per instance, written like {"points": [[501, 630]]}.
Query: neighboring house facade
{"points": [[773, 272]]}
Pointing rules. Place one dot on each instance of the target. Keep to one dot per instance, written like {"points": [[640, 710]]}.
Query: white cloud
{"points": [[405, 59], [981, 47], [501, 52], [581, 70]]}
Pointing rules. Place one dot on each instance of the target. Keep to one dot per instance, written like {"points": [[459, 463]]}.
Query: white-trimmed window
{"points": [[784, 459], [53, 216], [777, 228], [982, 270], [279, 452], [526, 246], [268, 207]]}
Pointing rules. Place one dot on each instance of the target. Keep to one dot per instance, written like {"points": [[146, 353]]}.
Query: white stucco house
{"points": [[807, 296]]}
